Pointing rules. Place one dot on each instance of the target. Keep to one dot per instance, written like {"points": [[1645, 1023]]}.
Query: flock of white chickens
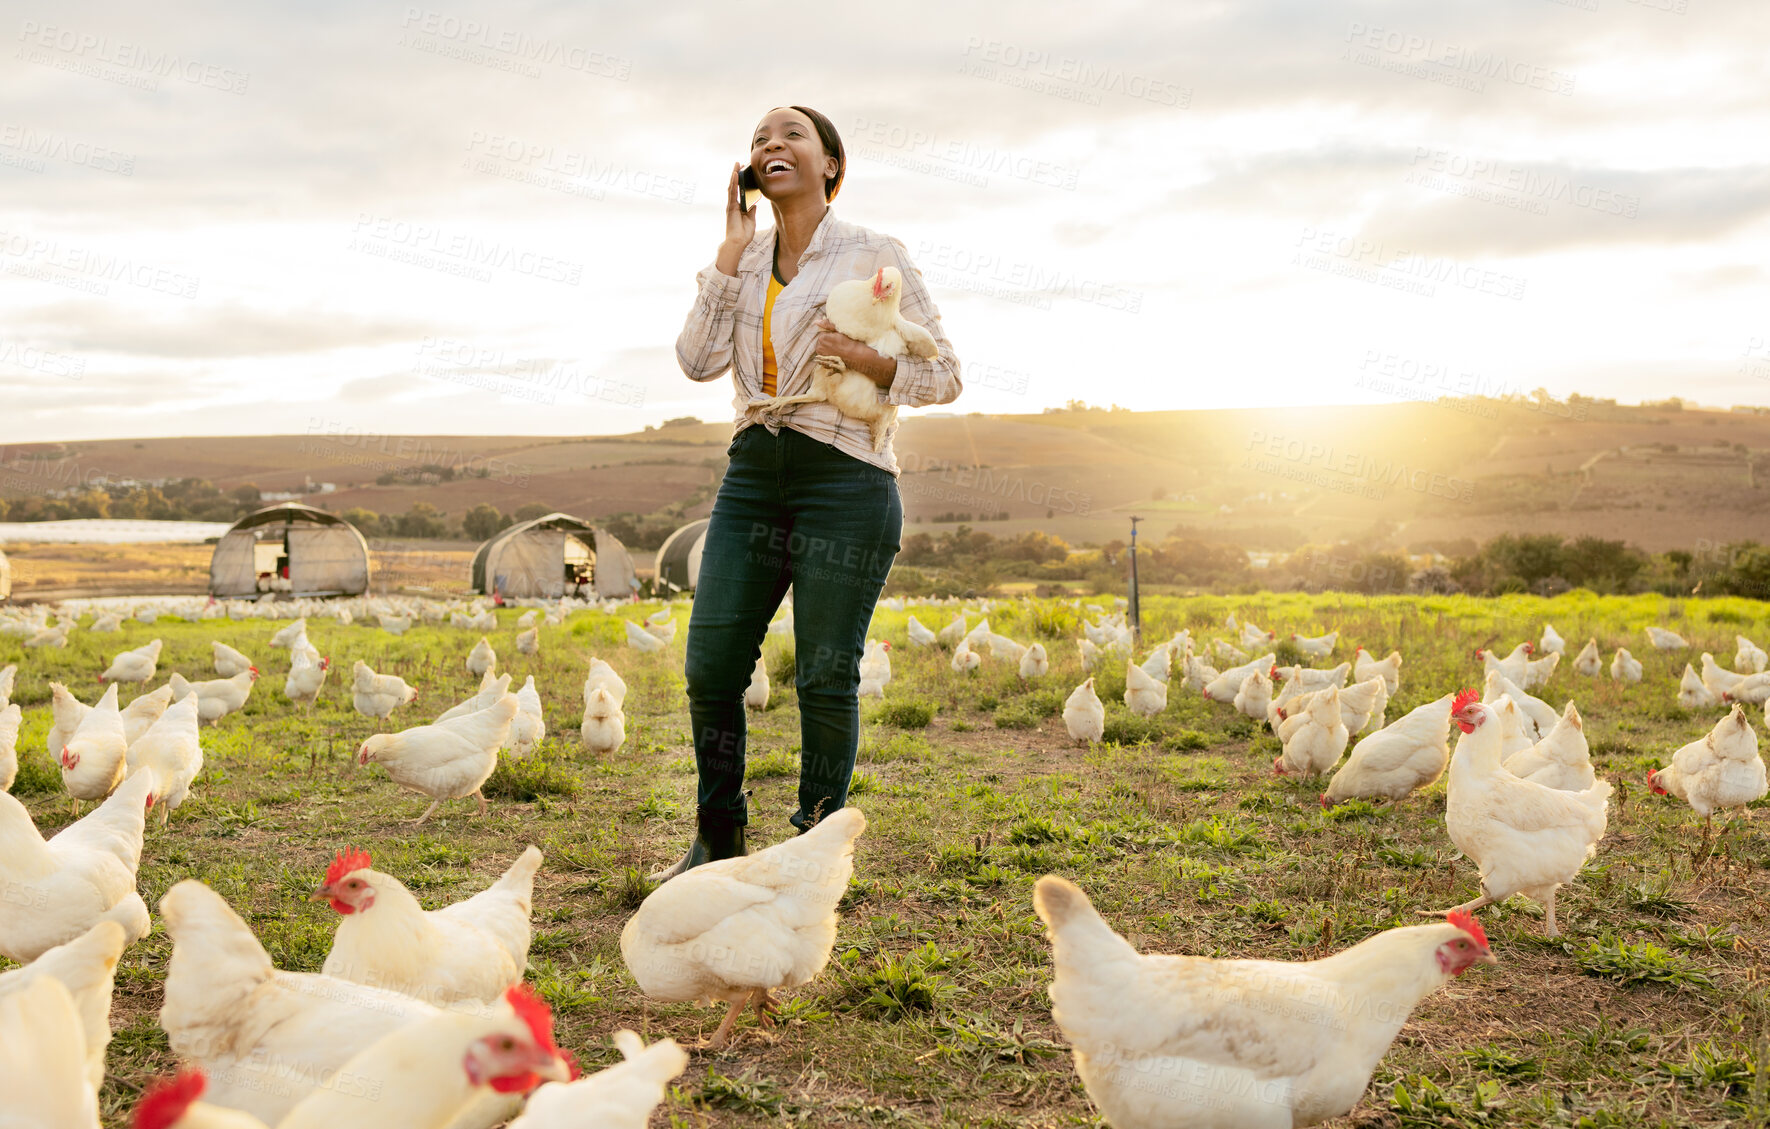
{"points": [[419, 1018]]}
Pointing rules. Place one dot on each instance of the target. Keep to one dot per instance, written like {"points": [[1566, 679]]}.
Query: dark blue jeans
{"points": [[790, 511]]}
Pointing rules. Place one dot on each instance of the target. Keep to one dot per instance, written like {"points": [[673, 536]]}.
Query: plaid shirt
{"points": [[724, 331]]}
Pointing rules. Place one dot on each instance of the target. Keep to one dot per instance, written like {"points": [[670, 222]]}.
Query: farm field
{"points": [[1650, 1010]]}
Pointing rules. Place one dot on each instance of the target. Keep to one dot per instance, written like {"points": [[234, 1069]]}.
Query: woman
{"points": [[805, 502]]}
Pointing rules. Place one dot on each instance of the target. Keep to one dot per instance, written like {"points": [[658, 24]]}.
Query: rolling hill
{"points": [[1417, 473]]}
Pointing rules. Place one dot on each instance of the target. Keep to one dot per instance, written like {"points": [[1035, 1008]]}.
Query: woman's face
{"points": [[788, 157]]}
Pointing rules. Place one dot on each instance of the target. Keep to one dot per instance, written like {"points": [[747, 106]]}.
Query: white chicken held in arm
{"points": [[1162, 1042], [739, 929], [867, 311], [1524, 837], [472, 950], [448, 760]]}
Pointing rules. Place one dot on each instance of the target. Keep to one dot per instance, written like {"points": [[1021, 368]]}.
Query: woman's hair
{"points": [[832, 142]]}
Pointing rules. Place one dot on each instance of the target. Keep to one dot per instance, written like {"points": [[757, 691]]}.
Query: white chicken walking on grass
{"points": [[1083, 714], [448, 760], [1625, 667], [756, 693], [640, 639], [87, 968], [173, 749], [1590, 661], [1167, 1041], [92, 760], [482, 658], [228, 662], [1034, 664], [529, 726], [1524, 837], [866, 310], [1561, 759], [620, 1097], [378, 695], [1713, 773], [134, 666], [474, 949], [740, 929], [1749, 658], [84, 874], [1318, 740], [1145, 695], [1664, 640], [604, 728], [1397, 760]]}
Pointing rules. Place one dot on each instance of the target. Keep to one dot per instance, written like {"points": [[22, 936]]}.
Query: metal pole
{"points": [[1135, 607]]}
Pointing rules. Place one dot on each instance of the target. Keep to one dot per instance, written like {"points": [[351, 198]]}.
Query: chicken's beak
{"points": [[554, 1069], [323, 894], [1487, 957]]}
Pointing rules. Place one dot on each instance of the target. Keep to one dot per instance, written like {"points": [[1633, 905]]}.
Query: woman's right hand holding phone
{"points": [[740, 227]]}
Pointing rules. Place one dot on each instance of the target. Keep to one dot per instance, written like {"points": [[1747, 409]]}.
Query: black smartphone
{"points": [[749, 188]]}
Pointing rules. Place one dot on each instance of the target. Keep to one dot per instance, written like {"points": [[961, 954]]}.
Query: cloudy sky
{"points": [[486, 218]]}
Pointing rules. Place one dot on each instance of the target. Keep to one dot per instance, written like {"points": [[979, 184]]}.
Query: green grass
{"points": [[933, 1010]]}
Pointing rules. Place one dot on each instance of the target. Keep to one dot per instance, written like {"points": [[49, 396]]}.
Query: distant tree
{"points": [[482, 521], [529, 511], [248, 494], [423, 520], [366, 521]]}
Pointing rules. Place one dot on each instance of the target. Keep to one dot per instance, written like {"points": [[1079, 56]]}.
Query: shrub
{"points": [[904, 713]]}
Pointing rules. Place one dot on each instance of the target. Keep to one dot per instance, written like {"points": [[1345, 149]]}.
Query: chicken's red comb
{"points": [[1465, 698], [879, 283], [166, 1101], [349, 861], [532, 1010], [1465, 921]]}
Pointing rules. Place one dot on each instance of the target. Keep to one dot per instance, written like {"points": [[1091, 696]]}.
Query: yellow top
{"points": [[775, 286]]}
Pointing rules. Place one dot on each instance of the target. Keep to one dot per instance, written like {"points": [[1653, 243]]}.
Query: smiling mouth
{"points": [[777, 165]]}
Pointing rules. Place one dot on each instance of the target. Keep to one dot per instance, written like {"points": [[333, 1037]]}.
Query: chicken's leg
{"points": [[434, 804], [1549, 929], [722, 1037], [766, 1006], [480, 796]]}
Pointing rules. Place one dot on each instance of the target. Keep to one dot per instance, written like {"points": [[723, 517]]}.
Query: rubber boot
{"points": [[717, 836]]}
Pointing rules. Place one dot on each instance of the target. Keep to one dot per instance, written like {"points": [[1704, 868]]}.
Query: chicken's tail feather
{"points": [[521, 875], [1079, 935]]}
